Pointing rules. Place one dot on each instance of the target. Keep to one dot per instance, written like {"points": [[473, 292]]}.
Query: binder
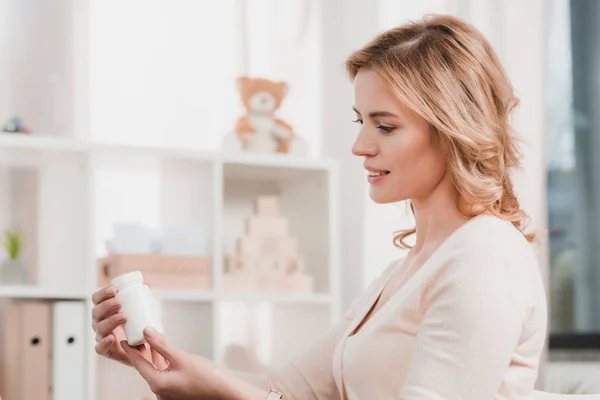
{"points": [[68, 371], [9, 353], [26, 351], [35, 351]]}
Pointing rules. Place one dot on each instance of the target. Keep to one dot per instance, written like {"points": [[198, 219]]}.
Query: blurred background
{"points": [[118, 152]]}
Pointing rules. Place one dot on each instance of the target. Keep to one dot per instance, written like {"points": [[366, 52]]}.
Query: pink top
{"points": [[473, 329]]}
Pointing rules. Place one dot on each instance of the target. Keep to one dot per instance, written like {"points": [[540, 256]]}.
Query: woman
{"points": [[433, 104]]}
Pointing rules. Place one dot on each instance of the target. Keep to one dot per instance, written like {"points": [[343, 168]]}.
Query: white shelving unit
{"points": [[60, 217], [64, 69]]}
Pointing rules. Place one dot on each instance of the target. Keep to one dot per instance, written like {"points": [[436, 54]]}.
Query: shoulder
{"points": [[489, 240], [491, 259]]}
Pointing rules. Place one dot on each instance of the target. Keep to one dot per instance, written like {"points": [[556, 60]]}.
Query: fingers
{"points": [[107, 326], [158, 360], [108, 347], [144, 367], [103, 295], [104, 345], [145, 351], [105, 309], [158, 343]]}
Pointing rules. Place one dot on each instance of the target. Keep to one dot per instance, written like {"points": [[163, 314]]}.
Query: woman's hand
{"points": [[107, 322], [185, 376]]}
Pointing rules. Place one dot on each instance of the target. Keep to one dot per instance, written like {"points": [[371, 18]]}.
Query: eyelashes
{"points": [[384, 129]]}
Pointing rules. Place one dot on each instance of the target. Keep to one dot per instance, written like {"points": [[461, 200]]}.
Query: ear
{"points": [[241, 81], [282, 87]]}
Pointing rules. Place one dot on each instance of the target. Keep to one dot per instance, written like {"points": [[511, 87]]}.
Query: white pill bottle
{"points": [[139, 306]]}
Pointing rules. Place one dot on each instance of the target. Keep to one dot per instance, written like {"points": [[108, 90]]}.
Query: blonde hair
{"points": [[446, 71]]}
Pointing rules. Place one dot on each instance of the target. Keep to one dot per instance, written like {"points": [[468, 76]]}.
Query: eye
{"points": [[358, 121], [386, 130]]}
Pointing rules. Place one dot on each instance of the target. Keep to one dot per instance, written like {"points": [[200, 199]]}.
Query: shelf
{"points": [[288, 298], [197, 296], [153, 152], [277, 160], [236, 164], [92, 163], [33, 292], [17, 141], [34, 151], [183, 295]]}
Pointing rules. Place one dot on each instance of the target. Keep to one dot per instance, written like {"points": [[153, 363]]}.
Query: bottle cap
{"points": [[127, 279]]}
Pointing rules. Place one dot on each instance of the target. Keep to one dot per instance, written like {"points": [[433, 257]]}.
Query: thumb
{"points": [[158, 343]]}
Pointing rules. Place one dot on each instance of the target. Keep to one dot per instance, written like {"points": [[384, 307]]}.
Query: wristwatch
{"points": [[274, 395]]}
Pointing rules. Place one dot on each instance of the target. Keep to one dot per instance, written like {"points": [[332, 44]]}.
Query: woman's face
{"points": [[401, 156]]}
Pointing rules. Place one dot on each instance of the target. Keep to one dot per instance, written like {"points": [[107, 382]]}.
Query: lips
{"points": [[378, 173]]}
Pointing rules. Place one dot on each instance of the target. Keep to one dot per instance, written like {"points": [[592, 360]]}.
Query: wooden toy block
{"points": [[248, 246], [267, 206], [117, 264], [178, 281], [159, 271], [240, 282], [280, 246], [295, 266], [269, 283], [267, 266], [267, 226], [239, 264], [298, 283]]}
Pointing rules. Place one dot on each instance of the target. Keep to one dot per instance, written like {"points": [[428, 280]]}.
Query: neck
{"points": [[437, 215]]}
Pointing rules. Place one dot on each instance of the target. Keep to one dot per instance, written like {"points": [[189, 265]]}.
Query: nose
{"points": [[363, 146]]}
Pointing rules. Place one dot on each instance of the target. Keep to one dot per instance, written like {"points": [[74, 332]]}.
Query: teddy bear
{"points": [[258, 130]]}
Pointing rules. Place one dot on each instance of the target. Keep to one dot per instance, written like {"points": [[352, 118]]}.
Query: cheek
{"points": [[417, 161]]}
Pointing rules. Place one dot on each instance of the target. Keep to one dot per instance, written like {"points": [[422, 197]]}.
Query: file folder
{"points": [[26, 351], [35, 351], [68, 351], [9, 353]]}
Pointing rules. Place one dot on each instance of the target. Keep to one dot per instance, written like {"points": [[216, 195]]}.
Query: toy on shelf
{"points": [[266, 257], [15, 125], [259, 130]]}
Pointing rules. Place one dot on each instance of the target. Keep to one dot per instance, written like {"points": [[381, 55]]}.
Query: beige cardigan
{"points": [[473, 327]]}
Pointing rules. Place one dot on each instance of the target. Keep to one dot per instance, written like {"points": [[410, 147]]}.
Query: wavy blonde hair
{"points": [[446, 71]]}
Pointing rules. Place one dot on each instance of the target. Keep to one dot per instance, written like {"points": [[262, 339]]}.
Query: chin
{"points": [[380, 198]]}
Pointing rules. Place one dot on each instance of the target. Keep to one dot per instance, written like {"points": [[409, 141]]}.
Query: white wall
{"points": [[346, 25]]}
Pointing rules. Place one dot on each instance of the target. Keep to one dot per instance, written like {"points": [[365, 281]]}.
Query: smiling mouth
{"points": [[380, 173]]}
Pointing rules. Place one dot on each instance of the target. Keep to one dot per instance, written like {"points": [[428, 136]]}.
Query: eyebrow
{"points": [[378, 113]]}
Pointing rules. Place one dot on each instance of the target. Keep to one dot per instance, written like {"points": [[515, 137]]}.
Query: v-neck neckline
{"points": [[368, 311]]}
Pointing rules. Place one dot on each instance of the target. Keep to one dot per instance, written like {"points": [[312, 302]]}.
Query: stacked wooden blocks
{"points": [[267, 256]]}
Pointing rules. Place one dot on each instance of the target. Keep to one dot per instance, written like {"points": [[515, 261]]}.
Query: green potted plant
{"points": [[12, 271]]}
